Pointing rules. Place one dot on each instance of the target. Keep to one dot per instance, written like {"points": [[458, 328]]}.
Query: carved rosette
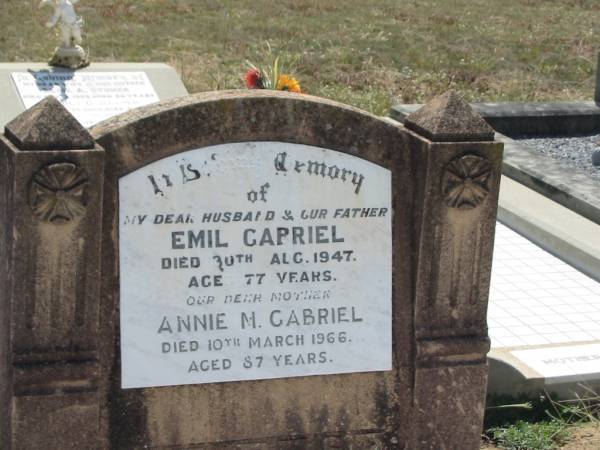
{"points": [[466, 182], [57, 193]]}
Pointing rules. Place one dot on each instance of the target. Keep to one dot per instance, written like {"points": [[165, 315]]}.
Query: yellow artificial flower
{"points": [[288, 83]]}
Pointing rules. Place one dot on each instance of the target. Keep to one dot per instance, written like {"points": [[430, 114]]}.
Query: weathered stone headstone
{"points": [[246, 270]]}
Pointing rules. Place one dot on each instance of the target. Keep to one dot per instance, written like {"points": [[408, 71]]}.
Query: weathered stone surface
{"points": [[305, 409], [50, 217], [444, 200], [48, 126], [448, 403], [449, 118], [66, 421]]}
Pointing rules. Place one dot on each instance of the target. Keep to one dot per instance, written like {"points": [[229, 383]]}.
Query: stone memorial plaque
{"points": [[250, 261], [90, 96], [558, 363]]}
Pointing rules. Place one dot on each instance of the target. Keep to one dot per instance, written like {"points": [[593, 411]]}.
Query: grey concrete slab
{"points": [[163, 78], [530, 119]]}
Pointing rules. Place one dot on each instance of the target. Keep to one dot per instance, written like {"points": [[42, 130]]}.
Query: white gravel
{"points": [[575, 152]]}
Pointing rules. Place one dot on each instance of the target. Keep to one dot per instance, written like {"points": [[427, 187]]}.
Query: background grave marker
{"points": [[92, 94]]}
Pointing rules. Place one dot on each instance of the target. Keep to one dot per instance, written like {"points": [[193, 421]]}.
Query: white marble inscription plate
{"points": [[253, 261], [90, 96]]}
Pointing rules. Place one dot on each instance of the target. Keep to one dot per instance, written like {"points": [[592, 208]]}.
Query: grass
{"points": [[531, 436], [368, 53], [539, 423]]}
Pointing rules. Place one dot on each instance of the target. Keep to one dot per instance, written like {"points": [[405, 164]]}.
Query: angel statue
{"points": [[69, 54]]}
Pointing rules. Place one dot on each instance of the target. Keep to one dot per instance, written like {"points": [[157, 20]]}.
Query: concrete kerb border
{"points": [[529, 119], [569, 187]]}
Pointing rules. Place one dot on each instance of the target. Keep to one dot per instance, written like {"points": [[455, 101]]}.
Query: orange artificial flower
{"points": [[288, 83]]}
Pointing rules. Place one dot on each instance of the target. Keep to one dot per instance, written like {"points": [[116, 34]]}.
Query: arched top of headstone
{"points": [[153, 132], [449, 118], [48, 126]]}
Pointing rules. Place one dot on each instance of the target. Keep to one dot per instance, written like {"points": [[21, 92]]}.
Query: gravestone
{"points": [[246, 270], [91, 94]]}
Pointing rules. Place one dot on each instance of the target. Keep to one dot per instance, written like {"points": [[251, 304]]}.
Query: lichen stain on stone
{"points": [[270, 410], [290, 112], [319, 420], [269, 417], [293, 421], [16, 233], [387, 411], [128, 419], [53, 303], [124, 140], [343, 426]]}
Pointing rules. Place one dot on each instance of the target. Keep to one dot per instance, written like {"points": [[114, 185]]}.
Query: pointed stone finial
{"points": [[449, 118], [48, 126]]}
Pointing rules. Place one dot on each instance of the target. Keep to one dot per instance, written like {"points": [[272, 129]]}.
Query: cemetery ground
{"points": [[540, 423], [367, 53], [584, 437], [370, 54]]}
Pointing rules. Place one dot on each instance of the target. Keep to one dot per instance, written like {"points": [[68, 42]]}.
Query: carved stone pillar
{"points": [[52, 174], [453, 273]]}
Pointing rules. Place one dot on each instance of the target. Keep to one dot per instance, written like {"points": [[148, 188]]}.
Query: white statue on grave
{"points": [[69, 54]]}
